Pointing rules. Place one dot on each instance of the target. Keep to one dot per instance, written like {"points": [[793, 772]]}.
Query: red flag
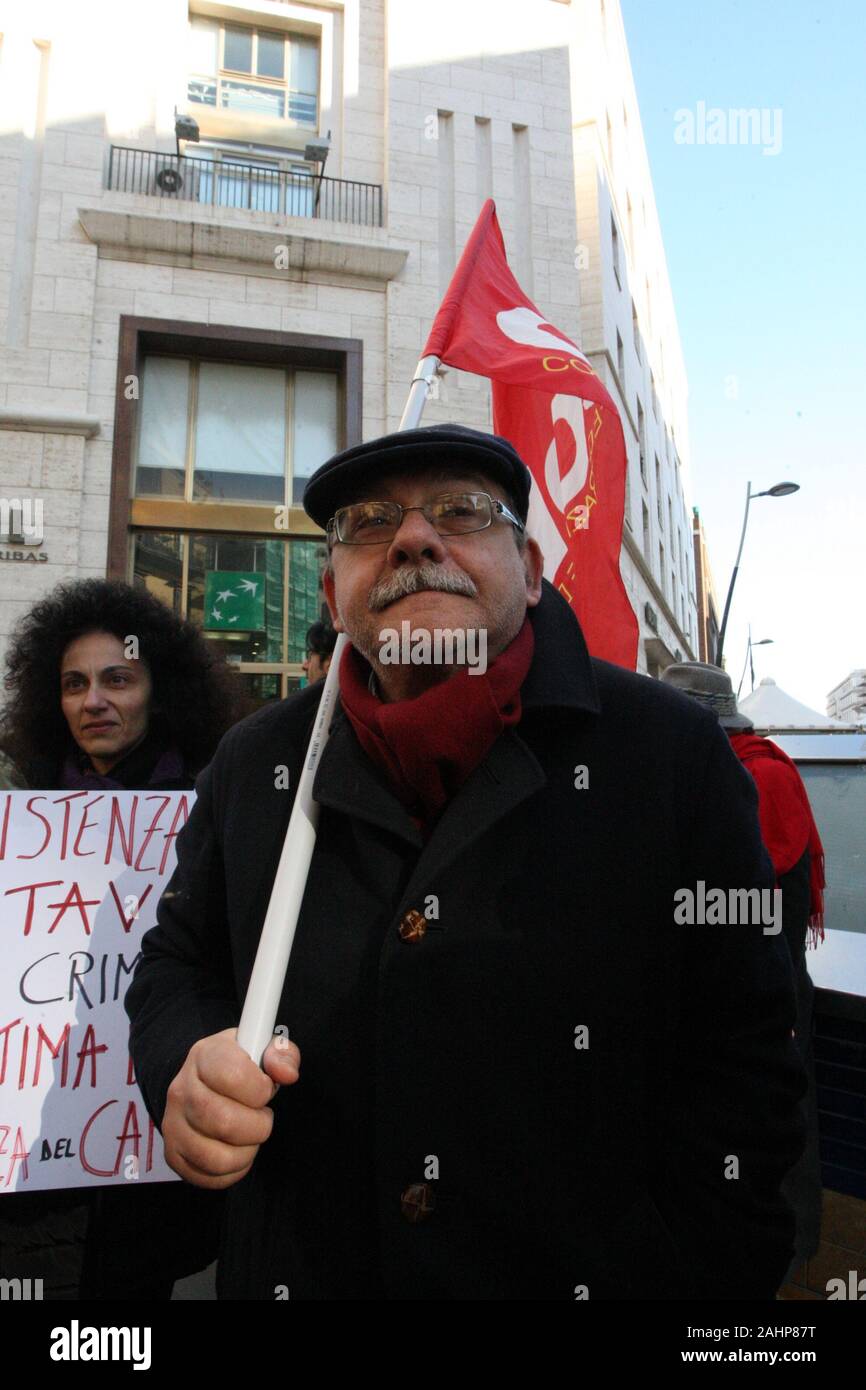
{"points": [[555, 410]]}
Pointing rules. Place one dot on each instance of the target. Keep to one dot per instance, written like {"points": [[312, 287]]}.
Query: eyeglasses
{"points": [[454, 514]]}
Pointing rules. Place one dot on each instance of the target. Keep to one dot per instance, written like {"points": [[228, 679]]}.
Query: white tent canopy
{"points": [[770, 707]]}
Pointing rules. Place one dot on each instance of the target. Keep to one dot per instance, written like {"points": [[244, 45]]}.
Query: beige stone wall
{"points": [[461, 79]]}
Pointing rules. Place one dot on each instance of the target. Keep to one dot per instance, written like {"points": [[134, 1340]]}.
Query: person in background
{"points": [[321, 640], [791, 837], [107, 689]]}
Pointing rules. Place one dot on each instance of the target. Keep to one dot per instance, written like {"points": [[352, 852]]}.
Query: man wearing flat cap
{"points": [[511, 1073]]}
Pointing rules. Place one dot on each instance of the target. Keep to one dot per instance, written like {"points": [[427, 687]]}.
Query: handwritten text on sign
{"points": [[81, 874]]}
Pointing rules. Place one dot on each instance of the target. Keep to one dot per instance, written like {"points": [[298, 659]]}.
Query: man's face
{"points": [[499, 581], [105, 698]]}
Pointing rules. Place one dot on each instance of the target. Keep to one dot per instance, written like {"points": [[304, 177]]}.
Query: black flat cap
{"points": [[432, 446]]}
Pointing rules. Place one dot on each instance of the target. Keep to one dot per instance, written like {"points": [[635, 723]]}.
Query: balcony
{"points": [[241, 216], [231, 182]]}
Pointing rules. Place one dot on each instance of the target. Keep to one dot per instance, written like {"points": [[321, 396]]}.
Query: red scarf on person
{"points": [[787, 824], [428, 746]]}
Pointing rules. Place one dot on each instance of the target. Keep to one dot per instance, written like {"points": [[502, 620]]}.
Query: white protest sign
{"points": [[81, 874]]}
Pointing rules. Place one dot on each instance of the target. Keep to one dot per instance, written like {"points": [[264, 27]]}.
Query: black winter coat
{"points": [[443, 1076]]}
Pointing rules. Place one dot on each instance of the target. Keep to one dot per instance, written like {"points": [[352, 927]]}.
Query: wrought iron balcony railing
{"points": [[230, 181]]}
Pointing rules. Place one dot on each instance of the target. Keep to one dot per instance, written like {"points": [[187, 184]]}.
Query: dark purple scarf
{"points": [[144, 766]]}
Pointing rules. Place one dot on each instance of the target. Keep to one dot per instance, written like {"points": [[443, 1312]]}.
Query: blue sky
{"points": [[765, 256]]}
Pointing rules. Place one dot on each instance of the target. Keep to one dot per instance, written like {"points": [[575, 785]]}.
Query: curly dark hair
{"points": [[196, 696]]}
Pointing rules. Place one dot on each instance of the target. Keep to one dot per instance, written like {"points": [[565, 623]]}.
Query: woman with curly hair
{"points": [[108, 689], [107, 686]]}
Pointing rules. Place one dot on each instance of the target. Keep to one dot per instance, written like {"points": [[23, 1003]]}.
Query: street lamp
{"points": [[764, 642], [777, 490]]}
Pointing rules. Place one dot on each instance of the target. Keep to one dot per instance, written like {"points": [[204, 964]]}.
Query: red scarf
{"points": [[787, 824], [428, 746]]}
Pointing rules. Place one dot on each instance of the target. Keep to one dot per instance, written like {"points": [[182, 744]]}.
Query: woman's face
{"points": [[105, 697]]}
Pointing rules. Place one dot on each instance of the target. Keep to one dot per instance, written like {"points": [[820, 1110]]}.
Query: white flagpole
{"points": [[259, 1016], [417, 398]]}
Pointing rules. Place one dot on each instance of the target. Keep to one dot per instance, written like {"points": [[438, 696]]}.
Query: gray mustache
{"points": [[404, 582]]}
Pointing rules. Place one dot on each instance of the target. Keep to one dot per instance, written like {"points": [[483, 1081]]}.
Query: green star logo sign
{"points": [[234, 602]]}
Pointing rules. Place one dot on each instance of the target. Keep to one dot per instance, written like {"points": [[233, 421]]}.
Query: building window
{"points": [[646, 530], [259, 72], [212, 431], [654, 396], [209, 466], [610, 144], [253, 597], [222, 433], [237, 176], [629, 219], [662, 567], [635, 331], [620, 361], [659, 508], [614, 248]]}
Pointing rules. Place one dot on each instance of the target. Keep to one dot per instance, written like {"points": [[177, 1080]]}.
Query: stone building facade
{"points": [[188, 326]]}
